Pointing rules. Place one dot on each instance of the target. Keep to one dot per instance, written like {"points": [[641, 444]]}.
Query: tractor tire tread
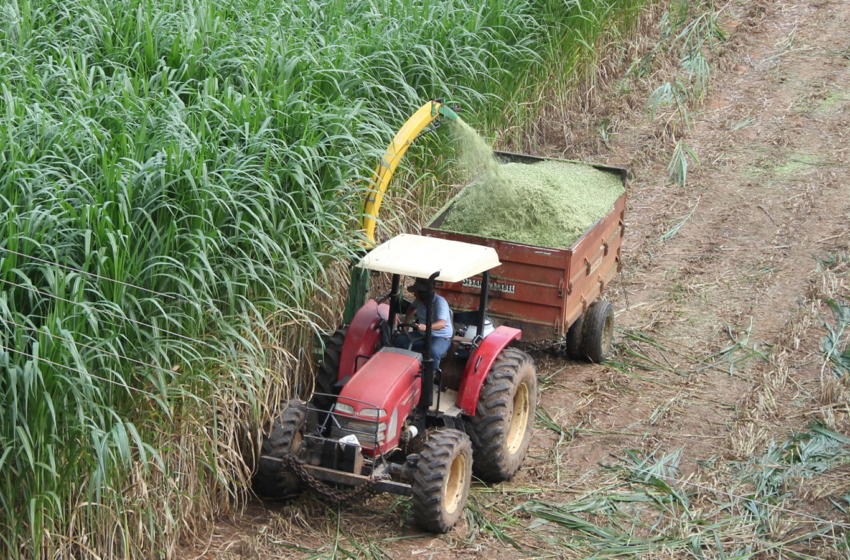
{"points": [[328, 371], [431, 474], [488, 428], [271, 480]]}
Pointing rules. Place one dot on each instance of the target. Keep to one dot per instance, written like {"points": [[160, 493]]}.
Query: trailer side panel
{"points": [[595, 261], [541, 290]]}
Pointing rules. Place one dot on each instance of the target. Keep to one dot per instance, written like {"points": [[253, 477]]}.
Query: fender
{"points": [[363, 337], [479, 364]]}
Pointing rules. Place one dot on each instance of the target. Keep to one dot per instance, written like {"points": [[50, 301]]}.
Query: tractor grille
{"points": [[365, 430]]}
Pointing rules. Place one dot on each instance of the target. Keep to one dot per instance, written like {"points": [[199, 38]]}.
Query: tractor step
{"points": [[446, 400]]}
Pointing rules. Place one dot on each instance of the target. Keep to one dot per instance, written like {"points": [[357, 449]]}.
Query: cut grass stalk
{"points": [[648, 512], [480, 518], [835, 346], [671, 233], [677, 169], [545, 418], [630, 346]]}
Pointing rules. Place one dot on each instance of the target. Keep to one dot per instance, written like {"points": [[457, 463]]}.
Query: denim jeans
{"points": [[439, 346]]}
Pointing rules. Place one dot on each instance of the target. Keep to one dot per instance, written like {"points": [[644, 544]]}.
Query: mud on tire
{"points": [[441, 481], [504, 417], [284, 436]]}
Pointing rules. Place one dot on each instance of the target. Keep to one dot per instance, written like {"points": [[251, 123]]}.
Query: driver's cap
{"points": [[420, 285]]}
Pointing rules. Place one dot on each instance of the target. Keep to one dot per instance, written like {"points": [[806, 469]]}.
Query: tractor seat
{"points": [[462, 346], [462, 339]]}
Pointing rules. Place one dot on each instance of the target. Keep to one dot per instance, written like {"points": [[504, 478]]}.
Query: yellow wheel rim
{"points": [[456, 483], [519, 419]]}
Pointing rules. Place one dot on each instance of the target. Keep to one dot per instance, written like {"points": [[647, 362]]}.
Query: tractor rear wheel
{"points": [[284, 437], [598, 331], [328, 371], [504, 417], [575, 336], [441, 481]]}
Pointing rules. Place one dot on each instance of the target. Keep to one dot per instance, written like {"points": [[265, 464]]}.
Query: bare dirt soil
{"points": [[666, 451]]}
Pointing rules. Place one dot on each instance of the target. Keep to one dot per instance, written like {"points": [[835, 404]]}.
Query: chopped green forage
{"points": [[550, 203]]}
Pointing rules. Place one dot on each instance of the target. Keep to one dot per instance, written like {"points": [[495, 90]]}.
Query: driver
{"points": [[441, 326]]}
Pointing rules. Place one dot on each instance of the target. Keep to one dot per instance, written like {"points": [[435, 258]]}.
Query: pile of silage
{"points": [[549, 203]]}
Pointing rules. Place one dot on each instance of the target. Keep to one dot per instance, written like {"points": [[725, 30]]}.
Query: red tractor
{"points": [[387, 420]]}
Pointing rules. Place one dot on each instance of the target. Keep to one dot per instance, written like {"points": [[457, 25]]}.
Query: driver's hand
{"points": [[420, 327]]}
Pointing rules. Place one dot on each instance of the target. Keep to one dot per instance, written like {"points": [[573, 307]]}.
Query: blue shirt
{"points": [[440, 311]]}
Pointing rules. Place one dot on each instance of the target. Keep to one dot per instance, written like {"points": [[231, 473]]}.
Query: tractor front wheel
{"points": [[441, 481], [272, 479], [504, 417]]}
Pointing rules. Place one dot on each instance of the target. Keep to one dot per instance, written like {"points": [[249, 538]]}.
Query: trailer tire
{"points": [[575, 339], [272, 480], [504, 416], [599, 331], [328, 371], [441, 480]]}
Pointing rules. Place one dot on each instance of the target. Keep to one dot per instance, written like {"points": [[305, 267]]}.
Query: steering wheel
{"points": [[400, 327]]}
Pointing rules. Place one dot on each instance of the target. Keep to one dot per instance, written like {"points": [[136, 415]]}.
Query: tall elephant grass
{"points": [[178, 183], [578, 43]]}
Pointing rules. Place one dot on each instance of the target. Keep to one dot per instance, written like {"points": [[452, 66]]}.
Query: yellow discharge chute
{"points": [[384, 172]]}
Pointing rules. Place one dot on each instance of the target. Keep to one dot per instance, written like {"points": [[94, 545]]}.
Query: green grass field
{"points": [[178, 182]]}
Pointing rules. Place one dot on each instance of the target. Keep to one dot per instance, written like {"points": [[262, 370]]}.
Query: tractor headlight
{"points": [[345, 408], [393, 428], [373, 413]]}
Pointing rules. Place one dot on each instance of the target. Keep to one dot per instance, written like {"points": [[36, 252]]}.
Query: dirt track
{"points": [[719, 324]]}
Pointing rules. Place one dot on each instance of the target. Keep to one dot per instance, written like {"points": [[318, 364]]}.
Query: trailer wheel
{"points": [[328, 371], [504, 416], [285, 436], [441, 481], [575, 340], [599, 331]]}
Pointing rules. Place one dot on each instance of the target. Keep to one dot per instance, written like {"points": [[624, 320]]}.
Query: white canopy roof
{"points": [[420, 257]]}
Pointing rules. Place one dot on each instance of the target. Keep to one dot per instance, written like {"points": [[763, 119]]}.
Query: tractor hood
{"points": [[389, 380]]}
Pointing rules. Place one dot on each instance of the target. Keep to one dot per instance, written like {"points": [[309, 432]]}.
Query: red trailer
{"points": [[542, 290]]}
